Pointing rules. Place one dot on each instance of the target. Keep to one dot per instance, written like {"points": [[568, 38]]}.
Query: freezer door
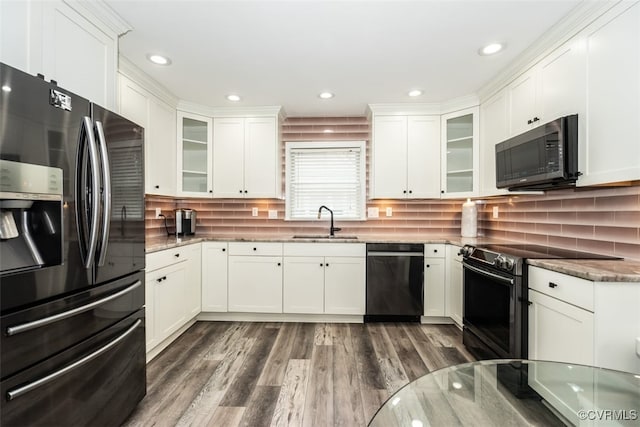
{"points": [[40, 124], [121, 239], [97, 382]]}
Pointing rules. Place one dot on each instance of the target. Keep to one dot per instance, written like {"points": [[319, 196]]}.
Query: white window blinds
{"points": [[331, 174]]}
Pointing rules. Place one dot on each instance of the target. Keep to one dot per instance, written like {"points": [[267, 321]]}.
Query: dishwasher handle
{"points": [[394, 254]]}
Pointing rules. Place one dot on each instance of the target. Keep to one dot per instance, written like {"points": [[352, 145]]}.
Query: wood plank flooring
{"points": [[290, 374]]}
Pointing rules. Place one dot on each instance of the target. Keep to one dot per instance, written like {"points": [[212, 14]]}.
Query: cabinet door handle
{"points": [[553, 285], [159, 280], [529, 121], [536, 119]]}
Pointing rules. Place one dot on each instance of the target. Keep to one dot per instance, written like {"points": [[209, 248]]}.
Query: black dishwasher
{"points": [[395, 280]]}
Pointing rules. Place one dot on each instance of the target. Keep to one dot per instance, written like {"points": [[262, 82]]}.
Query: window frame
{"points": [[359, 144]]}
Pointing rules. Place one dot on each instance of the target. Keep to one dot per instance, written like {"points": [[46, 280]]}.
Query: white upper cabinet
{"points": [[405, 153], [460, 162], [553, 88], [611, 150], [159, 122], [194, 155], [246, 157], [494, 128], [52, 38]]}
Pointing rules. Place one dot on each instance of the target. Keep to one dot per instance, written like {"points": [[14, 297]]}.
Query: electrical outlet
{"points": [[373, 212], [273, 214], [254, 211], [158, 212], [389, 211], [495, 212]]}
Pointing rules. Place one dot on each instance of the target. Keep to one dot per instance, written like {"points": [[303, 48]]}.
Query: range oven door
{"points": [[493, 316]]}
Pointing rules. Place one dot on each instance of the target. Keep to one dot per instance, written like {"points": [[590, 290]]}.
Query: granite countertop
{"points": [[596, 270], [593, 269], [160, 243]]}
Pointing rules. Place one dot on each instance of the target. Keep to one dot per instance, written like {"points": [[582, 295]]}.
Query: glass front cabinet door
{"points": [[460, 153], [194, 155]]}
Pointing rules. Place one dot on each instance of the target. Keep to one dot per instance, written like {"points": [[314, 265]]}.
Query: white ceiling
{"points": [[286, 52]]}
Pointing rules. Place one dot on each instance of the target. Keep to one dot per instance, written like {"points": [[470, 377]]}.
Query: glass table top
{"points": [[515, 393]]}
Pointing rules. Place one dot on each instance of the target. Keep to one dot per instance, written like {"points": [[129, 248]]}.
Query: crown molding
{"points": [[131, 71], [402, 109], [266, 111], [572, 24], [102, 13]]}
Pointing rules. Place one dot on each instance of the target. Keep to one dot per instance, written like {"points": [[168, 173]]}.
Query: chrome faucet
{"points": [[332, 229]]}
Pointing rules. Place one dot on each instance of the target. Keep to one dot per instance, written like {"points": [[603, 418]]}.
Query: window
{"points": [[325, 173]]}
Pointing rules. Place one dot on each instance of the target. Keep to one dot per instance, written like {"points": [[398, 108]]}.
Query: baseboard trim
{"points": [[281, 317]]}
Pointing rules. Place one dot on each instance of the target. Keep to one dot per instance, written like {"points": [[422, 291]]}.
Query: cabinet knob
{"points": [[441, 191], [224, 249], [157, 186], [159, 280], [321, 264], [428, 266], [529, 121], [177, 255], [255, 249], [210, 191], [553, 285], [404, 191], [435, 251], [326, 265], [536, 119], [245, 191], [410, 191], [240, 191], [279, 264]]}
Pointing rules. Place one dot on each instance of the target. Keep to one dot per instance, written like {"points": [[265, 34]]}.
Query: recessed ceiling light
{"points": [[490, 49], [6, 88], [158, 59], [234, 98], [326, 95], [415, 92]]}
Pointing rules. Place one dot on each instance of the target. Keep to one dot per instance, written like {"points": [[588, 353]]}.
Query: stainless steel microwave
{"points": [[544, 158]]}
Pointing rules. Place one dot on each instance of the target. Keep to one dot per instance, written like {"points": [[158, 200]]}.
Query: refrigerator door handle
{"points": [[17, 392], [87, 143], [106, 194]]}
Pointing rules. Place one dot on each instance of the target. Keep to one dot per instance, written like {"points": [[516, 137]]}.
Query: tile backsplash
{"points": [[602, 220]]}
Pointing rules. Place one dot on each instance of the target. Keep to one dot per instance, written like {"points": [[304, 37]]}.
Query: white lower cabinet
{"points": [[255, 281], [345, 285], [580, 321], [214, 276], [324, 278], [434, 280], [559, 331], [173, 283]]}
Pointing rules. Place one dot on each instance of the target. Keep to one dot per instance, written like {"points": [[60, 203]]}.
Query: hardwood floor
{"points": [[289, 374]]}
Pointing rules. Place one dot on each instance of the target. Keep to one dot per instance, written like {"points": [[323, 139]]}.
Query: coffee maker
{"points": [[30, 217], [185, 221]]}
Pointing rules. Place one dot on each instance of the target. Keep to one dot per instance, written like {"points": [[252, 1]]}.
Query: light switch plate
{"points": [[158, 212], [495, 212], [273, 214], [389, 211], [254, 211], [373, 212]]}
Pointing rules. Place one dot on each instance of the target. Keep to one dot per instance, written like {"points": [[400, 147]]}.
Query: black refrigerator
{"points": [[72, 349]]}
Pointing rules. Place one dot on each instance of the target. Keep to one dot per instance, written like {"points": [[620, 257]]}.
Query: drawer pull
{"points": [[553, 285], [13, 330]]}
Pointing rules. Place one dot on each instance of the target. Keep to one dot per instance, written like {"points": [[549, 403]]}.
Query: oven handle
{"points": [[17, 392], [13, 330], [487, 273]]}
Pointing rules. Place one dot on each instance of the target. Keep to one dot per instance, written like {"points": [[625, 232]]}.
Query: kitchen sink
{"points": [[323, 236]]}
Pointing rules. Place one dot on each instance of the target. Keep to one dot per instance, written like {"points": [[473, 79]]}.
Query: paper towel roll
{"points": [[469, 219]]}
